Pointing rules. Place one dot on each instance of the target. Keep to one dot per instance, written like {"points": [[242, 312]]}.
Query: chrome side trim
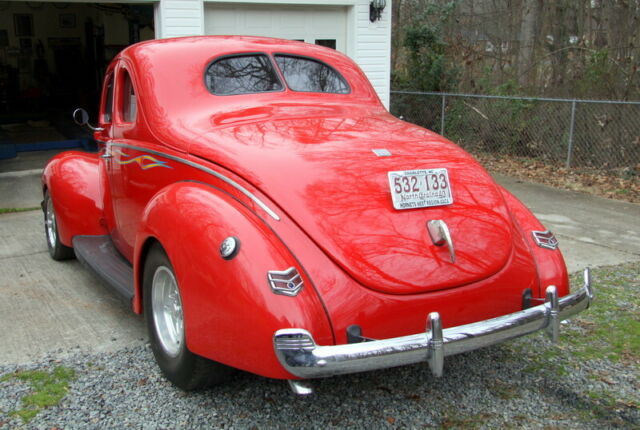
{"points": [[301, 356], [218, 175]]}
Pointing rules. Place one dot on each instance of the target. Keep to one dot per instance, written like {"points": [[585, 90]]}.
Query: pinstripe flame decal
{"points": [[218, 175], [150, 161]]}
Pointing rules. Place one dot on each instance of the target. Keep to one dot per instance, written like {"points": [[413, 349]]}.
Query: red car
{"points": [[255, 200]]}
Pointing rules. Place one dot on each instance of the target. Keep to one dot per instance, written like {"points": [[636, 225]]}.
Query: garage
{"points": [[52, 59], [320, 25]]}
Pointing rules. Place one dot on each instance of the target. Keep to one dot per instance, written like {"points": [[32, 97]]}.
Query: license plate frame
{"points": [[420, 188]]}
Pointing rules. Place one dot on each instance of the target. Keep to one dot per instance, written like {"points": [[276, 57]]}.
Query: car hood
{"points": [[320, 168]]}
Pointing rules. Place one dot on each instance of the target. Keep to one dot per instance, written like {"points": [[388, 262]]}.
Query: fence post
{"points": [[444, 98], [571, 127]]}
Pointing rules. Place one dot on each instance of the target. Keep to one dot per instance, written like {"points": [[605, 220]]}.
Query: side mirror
{"points": [[81, 117]]}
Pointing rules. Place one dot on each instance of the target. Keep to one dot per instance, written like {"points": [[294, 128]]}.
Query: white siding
{"points": [[373, 47], [174, 18]]}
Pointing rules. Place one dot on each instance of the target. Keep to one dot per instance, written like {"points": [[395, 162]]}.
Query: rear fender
{"points": [[73, 181], [230, 310], [552, 269]]}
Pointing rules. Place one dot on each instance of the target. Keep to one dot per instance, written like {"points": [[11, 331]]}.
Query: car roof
{"points": [[179, 64]]}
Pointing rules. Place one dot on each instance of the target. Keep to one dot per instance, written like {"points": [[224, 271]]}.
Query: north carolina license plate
{"points": [[411, 189]]}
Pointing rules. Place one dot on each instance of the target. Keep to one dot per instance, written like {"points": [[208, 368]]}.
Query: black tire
{"points": [[57, 250], [184, 369]]}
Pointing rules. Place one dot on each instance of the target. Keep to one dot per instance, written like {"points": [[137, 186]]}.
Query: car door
{"points": [[125, 162], [139, 168]]}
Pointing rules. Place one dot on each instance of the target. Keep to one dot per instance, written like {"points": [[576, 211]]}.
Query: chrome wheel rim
{"points": [[50, 223], [167, 311]]}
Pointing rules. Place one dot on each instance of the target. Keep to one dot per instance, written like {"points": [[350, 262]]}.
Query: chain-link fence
{"points": [[575, 133]]}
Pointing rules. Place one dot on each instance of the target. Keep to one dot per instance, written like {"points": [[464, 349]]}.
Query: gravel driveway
{"points": [[591, 380]]}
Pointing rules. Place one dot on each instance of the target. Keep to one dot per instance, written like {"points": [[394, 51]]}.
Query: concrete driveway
{"points": [[47, 305], [592, 231], [56, 307]]}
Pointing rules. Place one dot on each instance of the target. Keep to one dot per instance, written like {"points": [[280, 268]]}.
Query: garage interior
{"points": [[52, 60]]}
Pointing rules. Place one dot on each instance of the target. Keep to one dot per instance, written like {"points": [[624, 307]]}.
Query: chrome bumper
{"points": [[301, 356]]}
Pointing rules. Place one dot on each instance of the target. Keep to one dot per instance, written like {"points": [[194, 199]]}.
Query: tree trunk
{"points": [[528, 32], [396, 42]]}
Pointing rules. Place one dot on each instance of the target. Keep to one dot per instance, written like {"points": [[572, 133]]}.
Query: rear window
{"points": [[306, 74], [242, 74]]}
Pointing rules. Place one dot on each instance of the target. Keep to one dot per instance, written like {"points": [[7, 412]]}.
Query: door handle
{"points": [[107, 152]]}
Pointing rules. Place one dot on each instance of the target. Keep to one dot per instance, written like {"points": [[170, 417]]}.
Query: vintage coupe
{"points": [[254, 199]]}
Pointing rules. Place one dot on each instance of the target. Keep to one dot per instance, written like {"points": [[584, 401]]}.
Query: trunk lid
{"points": [[321, 169]]}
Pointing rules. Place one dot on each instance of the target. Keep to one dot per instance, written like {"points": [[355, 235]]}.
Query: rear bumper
{"points": [[299, 355]]}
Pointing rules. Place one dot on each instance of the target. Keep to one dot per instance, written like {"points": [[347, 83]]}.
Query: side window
{"points": [[108, 103], [306, 74], [129, 101], [242, 74]]}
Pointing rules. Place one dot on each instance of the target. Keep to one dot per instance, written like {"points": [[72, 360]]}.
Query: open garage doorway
{"points": [[52, 59]]}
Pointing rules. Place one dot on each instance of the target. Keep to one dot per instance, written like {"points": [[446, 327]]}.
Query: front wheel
{"points": [[57, 250], [165, 322]]}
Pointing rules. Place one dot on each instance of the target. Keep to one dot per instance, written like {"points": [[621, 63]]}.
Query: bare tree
{"points": [[528, 35]]}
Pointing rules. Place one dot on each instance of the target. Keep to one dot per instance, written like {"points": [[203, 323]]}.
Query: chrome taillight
{"points": [[229, 247], [545, 239], [285, 282]]}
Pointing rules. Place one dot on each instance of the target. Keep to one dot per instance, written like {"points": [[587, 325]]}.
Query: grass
{"points": [[47, 389], [609, 331], [612, 323], [14, 210]]}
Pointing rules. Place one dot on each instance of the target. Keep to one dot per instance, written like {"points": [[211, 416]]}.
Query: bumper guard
{"points": [[301, 356]]}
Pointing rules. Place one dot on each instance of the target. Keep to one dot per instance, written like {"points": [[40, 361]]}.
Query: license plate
{"points": [[411, 189]]}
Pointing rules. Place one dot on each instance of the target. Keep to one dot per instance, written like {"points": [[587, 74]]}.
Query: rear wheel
{"points": [[57, 250], [165, 322]]}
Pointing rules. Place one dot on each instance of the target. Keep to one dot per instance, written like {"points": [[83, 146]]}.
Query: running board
{"points": [[100, 255]]}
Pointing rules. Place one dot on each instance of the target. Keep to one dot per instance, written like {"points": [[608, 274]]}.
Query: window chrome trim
{"points": [[212, 172]]}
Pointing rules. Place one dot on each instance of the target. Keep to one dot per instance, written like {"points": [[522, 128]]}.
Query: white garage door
{"points": [[322, 25]]}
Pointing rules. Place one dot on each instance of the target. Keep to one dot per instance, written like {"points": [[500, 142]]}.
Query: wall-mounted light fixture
{"points": [[375, 9]]}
